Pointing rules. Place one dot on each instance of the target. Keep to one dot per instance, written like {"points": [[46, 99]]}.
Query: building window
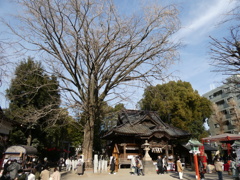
{"points": [[232, 111], [238, 96], [220, 103], [233, 121], [229, 99], [224, 111], [227, 90], [218, 93]]}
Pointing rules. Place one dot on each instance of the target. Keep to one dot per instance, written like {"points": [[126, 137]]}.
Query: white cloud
{"points": [[204, 19]]}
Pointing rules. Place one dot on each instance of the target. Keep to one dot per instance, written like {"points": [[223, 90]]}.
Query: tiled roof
{"points": [[207, 147], [143, 123], [2, 115]]}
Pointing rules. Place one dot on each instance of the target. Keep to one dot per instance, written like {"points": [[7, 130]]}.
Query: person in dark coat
{"points": [[21, 175], [61, 164], [45, 164], [112, 165], [13, 169], [6, 165], [5, 175], [38, 168], [160, 165], [201, 168]]}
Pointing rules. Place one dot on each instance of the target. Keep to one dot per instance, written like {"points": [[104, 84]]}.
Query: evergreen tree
{"points": [[179, 105], [34, 104]]}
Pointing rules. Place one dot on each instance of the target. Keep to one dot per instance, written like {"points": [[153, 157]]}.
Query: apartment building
{"points": [[226, 117]]}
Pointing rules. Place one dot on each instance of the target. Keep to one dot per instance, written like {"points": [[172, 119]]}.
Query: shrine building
{"points": [[135, 128]]}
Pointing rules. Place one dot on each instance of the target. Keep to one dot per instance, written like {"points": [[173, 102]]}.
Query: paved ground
{"points": [[124, 174]]}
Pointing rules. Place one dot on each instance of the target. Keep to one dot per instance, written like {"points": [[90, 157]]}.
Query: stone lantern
{"points": [[146, 148], [148, 166]]}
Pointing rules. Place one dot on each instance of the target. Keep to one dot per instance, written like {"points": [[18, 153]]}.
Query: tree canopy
{"points": [[33, 95], [35, 106], [179, 105]]}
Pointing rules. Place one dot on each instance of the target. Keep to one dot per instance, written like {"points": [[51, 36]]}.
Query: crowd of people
{"points": [[137, 166], [232, 163], [219, 166], [162, 164], [34, 169]]}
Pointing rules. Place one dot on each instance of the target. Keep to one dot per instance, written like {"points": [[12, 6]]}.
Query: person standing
{"points": [[56, 174], [61, 164], [68, 164], [13, 168], [133, 165], [5, 175], [6, 164], [45, 163], [201, 169], [179, 168], [165, 164], [38, 169], [75, 163], [160, 165], [21, 175], [112, 165], [219, 168], [140, 166], [80, 166], [234, 169], [45, 174], [31, 175]]}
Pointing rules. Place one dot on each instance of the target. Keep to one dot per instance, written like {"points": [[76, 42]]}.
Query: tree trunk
{"points": [[91, 119], [88, 142]]}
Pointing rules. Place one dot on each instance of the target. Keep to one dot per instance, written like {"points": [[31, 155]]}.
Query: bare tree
{"points": [[3, 63], [235, 114], [94, 49], [225, 52], [218, 118]]}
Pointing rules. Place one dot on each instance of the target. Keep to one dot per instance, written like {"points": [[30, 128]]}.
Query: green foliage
{"points": [[32, 93], [179, 105], [110, 116], [75, 133], [17, 137], [34, 104], [108, 119]]}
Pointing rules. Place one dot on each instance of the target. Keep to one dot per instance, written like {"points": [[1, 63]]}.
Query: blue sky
{"points": [[199, 19]]}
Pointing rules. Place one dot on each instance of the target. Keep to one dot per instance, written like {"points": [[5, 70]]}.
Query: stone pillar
{"points": [[95, 164], [104, 165]]}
